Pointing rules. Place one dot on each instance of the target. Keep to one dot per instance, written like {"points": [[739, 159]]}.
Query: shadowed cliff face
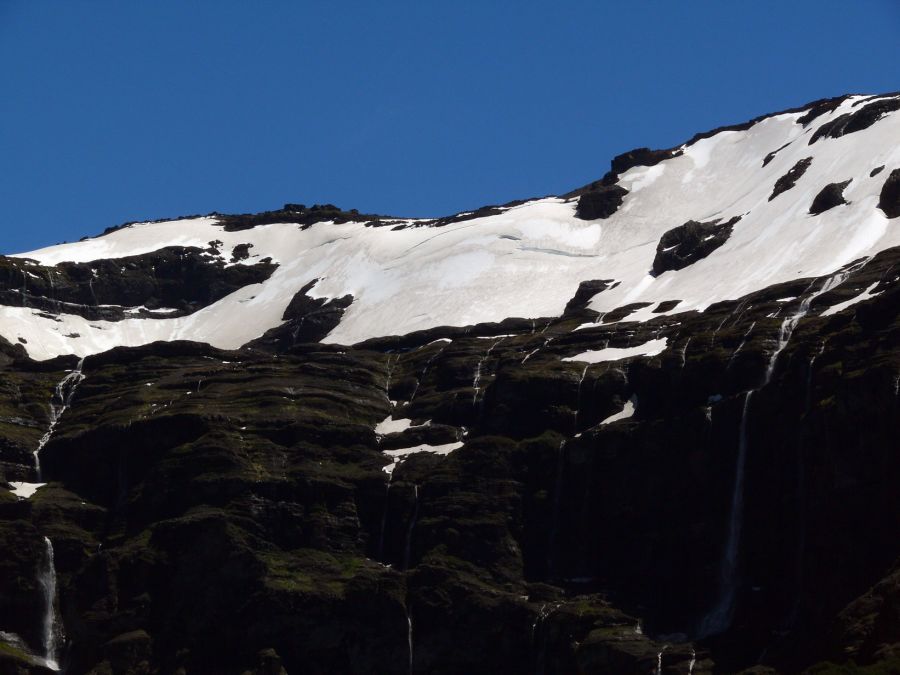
{"points": [[171, 282], [230, 511]]}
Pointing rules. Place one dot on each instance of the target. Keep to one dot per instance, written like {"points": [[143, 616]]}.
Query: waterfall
{"points": [[59, 403], [387, 494], [539, 636], [476, 389], [295, 331], [24, 288], [801, 496], [578, 396], [389, 376], [790, 323], [409, 636], [741, 345], [659, 656], [693, 662], [554, 522], [51, 633], [53, 290], [719, 618], [684, 352], [738, 310], [409, 531], [424, 372]]}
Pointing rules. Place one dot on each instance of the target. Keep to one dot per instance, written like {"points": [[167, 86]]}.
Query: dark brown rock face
{"points": [[830, 196], [789, 180], [176, 280], [889, 201], [857, 120], [686, 244], [600, 202]]}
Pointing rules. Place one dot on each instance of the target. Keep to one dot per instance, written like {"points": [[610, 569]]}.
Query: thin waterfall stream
{"points": [[51, 628], [59, 403], [719, 618]]}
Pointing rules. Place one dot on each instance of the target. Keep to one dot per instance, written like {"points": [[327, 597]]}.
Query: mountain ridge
{"points": [[662, 440]]}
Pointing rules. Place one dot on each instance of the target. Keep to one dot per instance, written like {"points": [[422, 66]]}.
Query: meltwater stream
{"points": [[51, 629], [719, 618], [59, 403]]}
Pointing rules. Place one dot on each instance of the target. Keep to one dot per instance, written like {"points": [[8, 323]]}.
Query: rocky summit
{"points": [[649, 426]]}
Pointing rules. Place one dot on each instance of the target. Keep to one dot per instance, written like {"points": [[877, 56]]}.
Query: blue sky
{"points": [[117, 111]]}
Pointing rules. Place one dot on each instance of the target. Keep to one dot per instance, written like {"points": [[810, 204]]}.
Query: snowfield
{"points": [[527, 261]]}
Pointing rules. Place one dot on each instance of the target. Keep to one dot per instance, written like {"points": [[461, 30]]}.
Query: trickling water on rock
{"points": [[409, 532], [554, 521], [659, 656], [387, 501], [59, 403], [476, 388], [578, 396]]}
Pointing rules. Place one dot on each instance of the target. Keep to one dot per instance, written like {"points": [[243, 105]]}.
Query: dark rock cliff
{"points": [[228, 511]]}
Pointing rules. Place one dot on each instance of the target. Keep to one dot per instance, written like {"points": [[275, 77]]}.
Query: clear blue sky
{"points": [[115, 111]]}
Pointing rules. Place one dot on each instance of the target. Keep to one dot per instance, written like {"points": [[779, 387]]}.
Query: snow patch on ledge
{"points": [[651, 348], [25, 490], [624, 413], [865, 295], [391, 426]]}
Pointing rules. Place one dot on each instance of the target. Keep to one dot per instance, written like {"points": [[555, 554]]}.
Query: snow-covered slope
{"points": [[528, 260]]}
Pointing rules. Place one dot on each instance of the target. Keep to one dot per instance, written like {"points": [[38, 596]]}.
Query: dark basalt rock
{"points": [[620, 164], [666, 306], [686, 244], [820, 108], [183, 279], [642, 157], [240, 252], [869, 627], [889, 201], [647, 157], [623, 312], [768, 158], [788, 180], [877, 170], [548, 536], [586, 291], [307, 320], [857, 120], [294, 213], [600, 202], [830, 196]]}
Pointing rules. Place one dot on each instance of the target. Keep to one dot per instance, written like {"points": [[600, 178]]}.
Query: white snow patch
{"points": [[25, 490], [651, 348], [529, 260], [625, 413], [865, 295], [391, 426]]}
